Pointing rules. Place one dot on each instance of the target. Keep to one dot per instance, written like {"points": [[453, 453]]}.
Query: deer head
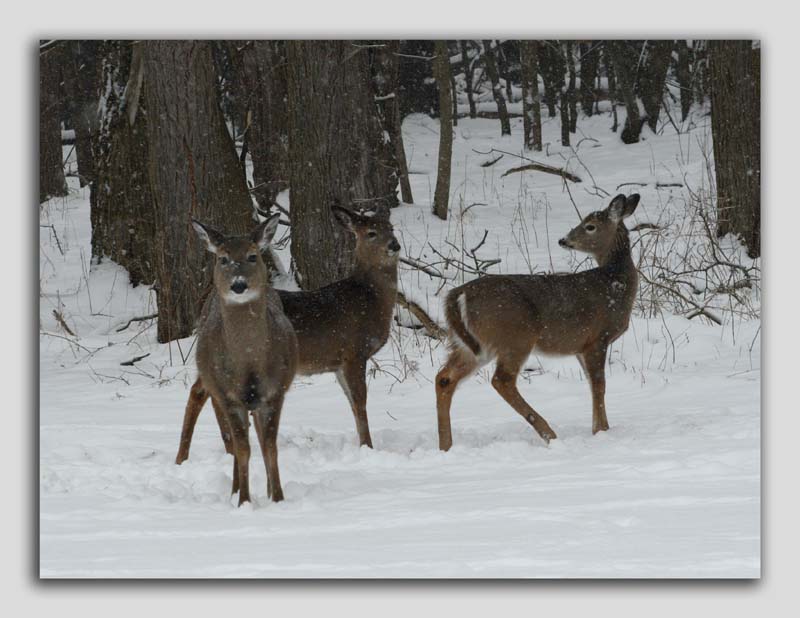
{"points": [[375, 239], [240, 274]]}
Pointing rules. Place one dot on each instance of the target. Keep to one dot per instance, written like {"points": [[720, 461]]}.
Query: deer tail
{"points": [[455, 309]]}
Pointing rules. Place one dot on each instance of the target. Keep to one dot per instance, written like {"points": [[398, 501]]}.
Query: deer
{"points": [[339, 327], [507, 317], [246, 349]]}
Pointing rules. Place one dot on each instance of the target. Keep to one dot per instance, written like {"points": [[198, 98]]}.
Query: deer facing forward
{"points": [[506, 317], [246, 350]]}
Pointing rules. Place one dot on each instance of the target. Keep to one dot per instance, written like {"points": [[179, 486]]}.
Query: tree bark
{"points": [[194, 172], [497, 91], [51, 168], [441, 195], [531, 112], [590, 61], [684, 76], [735, 75], [552, 70], [625, 73], [337, 152], [653, 78], [572, 99], [122, 215], [469, 71]]}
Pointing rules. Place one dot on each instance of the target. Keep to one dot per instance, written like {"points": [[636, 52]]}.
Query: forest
{"points": [[470, 160]]}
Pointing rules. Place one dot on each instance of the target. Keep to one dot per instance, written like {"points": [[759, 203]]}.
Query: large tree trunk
{"points": [[653, 78], [337, 152], [415, 87], [194, 172], [122, 212], [625, 72], [531, 112], [735, 72], [497, 91], [441, 196], [468, 68], [51, 169], [80, 78], [590, 61]]}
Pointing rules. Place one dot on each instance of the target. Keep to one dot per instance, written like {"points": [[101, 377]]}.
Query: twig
{"points": [[426, 268], [541, 167], [135, 359], [492, 162], [142, 318], [60, 319]]}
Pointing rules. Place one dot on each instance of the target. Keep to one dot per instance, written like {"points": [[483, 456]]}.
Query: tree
{"points": [[653, 76], [531, 113], [441, 196], [51, 168], [468, 67], [625, 61], [590, 61], [194, 172], [122, 215], [735, 76], [684, 76], [337, 152], [490, 63]]}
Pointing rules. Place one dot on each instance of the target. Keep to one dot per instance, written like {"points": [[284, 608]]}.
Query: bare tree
{"points": [[194, 172], [80, 71], [531, 113], [735, 74], [497, 91], [684, 76], [441, 196], [51, 169], [653, 76], [468, 67], [589, 61], [625, 61]]}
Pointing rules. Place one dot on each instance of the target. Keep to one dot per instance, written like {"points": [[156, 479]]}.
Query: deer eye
{"points": [[223, 260], [590, 228], [252, 258], [372, 234]]}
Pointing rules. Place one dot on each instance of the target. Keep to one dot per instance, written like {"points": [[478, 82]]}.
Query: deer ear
{"points": [[631, 202], [344, 217], [210, 236], [616, 209], [265, 232]]}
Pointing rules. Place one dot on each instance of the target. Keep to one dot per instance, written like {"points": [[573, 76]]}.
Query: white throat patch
{"points": [[247, 296]]}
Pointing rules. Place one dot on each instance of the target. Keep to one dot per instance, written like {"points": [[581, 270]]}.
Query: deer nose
{"points": [[394, 246], [563, 243], [239, 286]]}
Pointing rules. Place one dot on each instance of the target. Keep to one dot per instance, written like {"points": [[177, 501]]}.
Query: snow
{"points": [[672, 490]]}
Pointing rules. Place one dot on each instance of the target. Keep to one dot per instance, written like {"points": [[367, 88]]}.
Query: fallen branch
{"points": [[142, 318], [547, 169], [644, 226], [62, 323], [492, 162], [434, 330], [658, 185], [135, 359]]}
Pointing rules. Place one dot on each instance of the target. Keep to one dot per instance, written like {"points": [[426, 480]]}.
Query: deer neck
{"points": [[244, 322], [617, 259], [381, 278]]}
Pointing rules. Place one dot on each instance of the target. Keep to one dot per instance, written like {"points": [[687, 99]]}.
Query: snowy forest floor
{"points": [[672, 490]]}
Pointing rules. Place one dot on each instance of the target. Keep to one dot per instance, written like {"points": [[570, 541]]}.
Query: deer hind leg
{"points": [[593, 360], [197, 399], [460, 364], [224, 429], [237, 420], [353, 380], [266, 420], [504, 382]]}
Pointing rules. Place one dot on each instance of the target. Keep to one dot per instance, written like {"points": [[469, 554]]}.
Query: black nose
{"points": [[239, 286], [563, 243], [394, 246]]}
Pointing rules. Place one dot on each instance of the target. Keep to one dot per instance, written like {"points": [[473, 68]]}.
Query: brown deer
{"points": [[506, 317], [246, 349], [339, 327]]}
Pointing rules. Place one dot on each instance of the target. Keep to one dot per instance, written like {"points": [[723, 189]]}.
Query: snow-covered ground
{"points": [[672, 490]]}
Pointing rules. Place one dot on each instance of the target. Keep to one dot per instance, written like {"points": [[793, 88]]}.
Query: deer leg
{"points": [[504, 382], [594, 364], [459, 365], [266, 420], [237, 420], [353, 380], [224, 430], [197, 399]]}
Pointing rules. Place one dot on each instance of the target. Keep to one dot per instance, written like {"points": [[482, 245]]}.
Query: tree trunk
{"points": [[684, 76], [590, 61], [625, 72], [531, 113], [51, 168], [441, 196], [415, 87], [497, 91], [122, 214], [194, 172], [735, 74], [469, 70], [653, 78], [569, 51], [550, 62], [337, 151], [80, 79]]}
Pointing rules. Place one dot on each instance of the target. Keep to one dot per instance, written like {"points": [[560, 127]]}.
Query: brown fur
{"points": [[507, 317], [246, 352], [338, 327]]}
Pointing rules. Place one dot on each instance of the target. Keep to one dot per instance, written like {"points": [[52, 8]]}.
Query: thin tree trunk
{"points": [[122, 215], [51, 169], [625, 74], [531, 113], [80, 76], [337, 152], [469, 71], [735, 74], [497, 91], [653, 78], [572, 98], [194, 172], [684, 76], [590, 60], [441, 195], [550, 63]]}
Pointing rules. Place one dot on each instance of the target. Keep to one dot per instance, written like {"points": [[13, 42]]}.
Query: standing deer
{"points": [[246, 349], [339, 327], [506, 317]]}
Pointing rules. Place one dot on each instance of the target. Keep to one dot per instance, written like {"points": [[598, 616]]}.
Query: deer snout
{"points": [[239, 286], [394, 247], [564, 243]]}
